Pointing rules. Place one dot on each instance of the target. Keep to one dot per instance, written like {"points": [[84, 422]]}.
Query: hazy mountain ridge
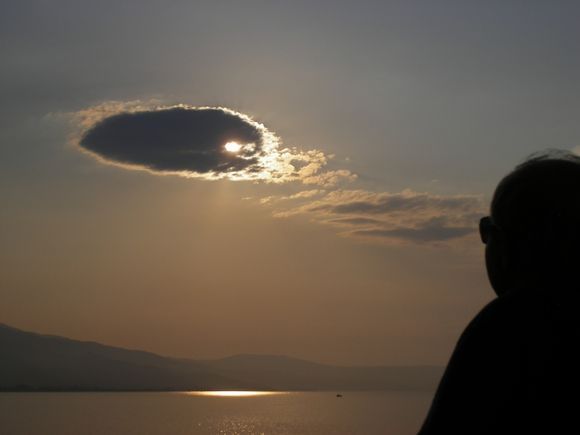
{"points": [[31, 361]]}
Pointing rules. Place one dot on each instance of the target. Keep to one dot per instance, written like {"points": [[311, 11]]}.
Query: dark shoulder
{"points": [[482, 384], [504, 317]]}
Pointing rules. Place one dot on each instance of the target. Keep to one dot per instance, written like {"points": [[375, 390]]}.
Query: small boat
{"points": [[339, 395]]}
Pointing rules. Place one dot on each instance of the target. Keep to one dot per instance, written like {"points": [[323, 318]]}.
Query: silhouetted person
{"points": [[516, 367]]}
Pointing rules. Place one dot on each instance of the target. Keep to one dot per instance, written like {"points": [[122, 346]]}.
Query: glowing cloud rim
{"points": [[274, 163]]}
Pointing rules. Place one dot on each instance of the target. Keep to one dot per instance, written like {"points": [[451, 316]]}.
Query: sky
{"points": [[340, 228]]}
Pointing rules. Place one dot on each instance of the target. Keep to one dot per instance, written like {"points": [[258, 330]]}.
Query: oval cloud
{"points": [[185, 140]]}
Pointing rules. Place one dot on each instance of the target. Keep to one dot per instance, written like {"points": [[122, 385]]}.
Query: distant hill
{"points": [[285, 373], [35, 362], [44, 362]]}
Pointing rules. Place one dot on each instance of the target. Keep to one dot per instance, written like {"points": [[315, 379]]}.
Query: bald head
{"points": [[536, 208]]}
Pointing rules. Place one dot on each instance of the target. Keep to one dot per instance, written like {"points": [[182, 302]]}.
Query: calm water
{"points": [[365, 413]]}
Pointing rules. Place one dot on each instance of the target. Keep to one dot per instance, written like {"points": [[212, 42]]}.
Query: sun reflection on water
{"points": [[233, 393]]}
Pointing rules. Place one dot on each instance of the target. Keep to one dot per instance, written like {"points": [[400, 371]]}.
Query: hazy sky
{"points": [[408, 113]]}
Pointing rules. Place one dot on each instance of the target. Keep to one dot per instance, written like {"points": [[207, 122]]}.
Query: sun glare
{"points": [[232, 393], [233, 147]]}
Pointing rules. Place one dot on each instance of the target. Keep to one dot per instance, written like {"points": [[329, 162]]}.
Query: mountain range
{"points": [[36, 362]]}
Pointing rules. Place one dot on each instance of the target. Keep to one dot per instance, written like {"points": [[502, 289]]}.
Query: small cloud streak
{"points": [[435, 230], [197, 142], [305, 194], [406, 217]]}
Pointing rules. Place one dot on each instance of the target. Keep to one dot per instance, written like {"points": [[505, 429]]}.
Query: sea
{"points": [[186, 413]]}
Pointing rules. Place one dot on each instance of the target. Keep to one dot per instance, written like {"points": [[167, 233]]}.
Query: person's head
{"points": [[533, 234]]}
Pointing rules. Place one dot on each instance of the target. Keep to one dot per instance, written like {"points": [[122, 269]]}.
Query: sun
{"points": [[233, 147]]}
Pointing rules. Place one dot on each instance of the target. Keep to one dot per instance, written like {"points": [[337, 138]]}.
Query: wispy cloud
{"points": [[305, 194], [400, 217]]}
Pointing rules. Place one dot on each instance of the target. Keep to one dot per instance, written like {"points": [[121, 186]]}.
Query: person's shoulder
{"points": [[499, 309], [512, 304], [503, 317], [482, 372]]}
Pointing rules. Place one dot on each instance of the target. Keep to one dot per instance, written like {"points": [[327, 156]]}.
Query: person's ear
{"points": [[499, 263]]}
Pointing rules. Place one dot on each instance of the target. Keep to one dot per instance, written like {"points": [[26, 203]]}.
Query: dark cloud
{"points": [[389, 203], [195, 142], [429, 231], [178, 139], [355, 221]]}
